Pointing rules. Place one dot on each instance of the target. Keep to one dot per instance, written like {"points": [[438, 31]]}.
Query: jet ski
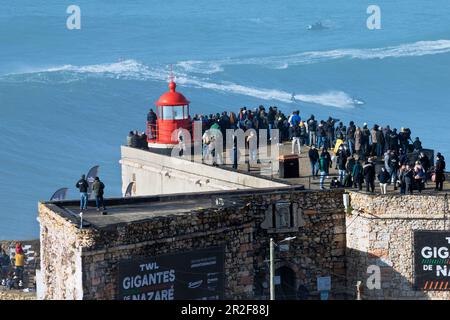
{"points": [[316, 26]]}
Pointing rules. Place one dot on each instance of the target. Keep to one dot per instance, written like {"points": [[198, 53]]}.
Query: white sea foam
{"points": [[200, 67], [416, 49], [133, 70]]}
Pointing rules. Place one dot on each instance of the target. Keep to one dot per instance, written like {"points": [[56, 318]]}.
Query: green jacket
{"points": [[357, 171], [324, 164], [98, 188]]}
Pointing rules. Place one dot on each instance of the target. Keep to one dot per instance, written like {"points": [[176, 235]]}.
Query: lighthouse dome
{"points": [[172, 97]]}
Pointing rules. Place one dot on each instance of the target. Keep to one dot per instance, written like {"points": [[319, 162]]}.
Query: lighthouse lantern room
{"points": [[172, 112]]}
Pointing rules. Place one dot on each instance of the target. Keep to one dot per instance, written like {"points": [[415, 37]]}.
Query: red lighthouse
{"points": [[172, 111]]}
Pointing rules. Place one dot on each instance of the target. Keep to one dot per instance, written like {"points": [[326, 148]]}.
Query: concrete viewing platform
{"points": [[264, 171], [137, 209]]}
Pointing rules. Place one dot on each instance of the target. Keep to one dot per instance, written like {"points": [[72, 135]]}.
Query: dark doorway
{"points": [[286, 290]]}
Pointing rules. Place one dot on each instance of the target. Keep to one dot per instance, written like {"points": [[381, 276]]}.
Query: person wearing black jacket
{"points": [[384, 178], [393, 163], [327, 155], [313, 155], [351, 136], [312, 130], [358, 177], [329, 129], [393, 140], [151, 121], [369, 175], [439, 172], [296, 136], [365, 140], [271, 119], [417, 145], [341, 163], [425, 162], [407, 179], [83, 186], [135, 140], [321, 135]]}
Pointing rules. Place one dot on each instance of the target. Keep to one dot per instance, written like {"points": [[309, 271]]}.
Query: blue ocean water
{"points": [[69, 97]]}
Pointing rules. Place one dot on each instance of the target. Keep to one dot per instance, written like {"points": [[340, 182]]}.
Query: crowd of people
{"points": [[137, 140], [356, 150], [12, 272]]}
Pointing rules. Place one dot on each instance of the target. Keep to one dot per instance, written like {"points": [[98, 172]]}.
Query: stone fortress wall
{"points": [[380, 232], [83, 263]]}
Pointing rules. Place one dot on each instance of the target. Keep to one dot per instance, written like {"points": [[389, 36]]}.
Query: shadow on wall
{"points": [[378, 279]]}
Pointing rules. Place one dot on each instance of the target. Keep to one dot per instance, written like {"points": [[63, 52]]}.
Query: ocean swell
{"points": [[133, 70], [415, 49]]}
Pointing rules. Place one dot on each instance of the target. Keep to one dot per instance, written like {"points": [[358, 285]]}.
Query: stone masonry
{"points": [[380, 232], [83, 263]]}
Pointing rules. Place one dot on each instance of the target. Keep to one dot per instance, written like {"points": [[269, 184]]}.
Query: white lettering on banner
{"points": [[148, 279], [428, 252], [166, 294], [441, 271], [149, 266]]}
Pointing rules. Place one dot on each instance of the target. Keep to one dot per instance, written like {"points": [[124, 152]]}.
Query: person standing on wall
{"points": [[98, 189], [83, 186]]}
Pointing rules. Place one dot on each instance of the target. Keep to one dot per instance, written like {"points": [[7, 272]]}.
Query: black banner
{"points": [[432, 260], [192, 275]]}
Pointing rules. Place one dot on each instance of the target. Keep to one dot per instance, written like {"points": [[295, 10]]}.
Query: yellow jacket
{"points": [[20, 260]]}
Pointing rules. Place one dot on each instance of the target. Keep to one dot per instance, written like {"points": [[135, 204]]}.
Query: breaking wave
{"points": [[133, 70], [415, 49]]}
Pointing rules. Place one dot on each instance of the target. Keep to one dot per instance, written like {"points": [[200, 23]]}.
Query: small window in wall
{"points": [[283, 216], [283, 213]]}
